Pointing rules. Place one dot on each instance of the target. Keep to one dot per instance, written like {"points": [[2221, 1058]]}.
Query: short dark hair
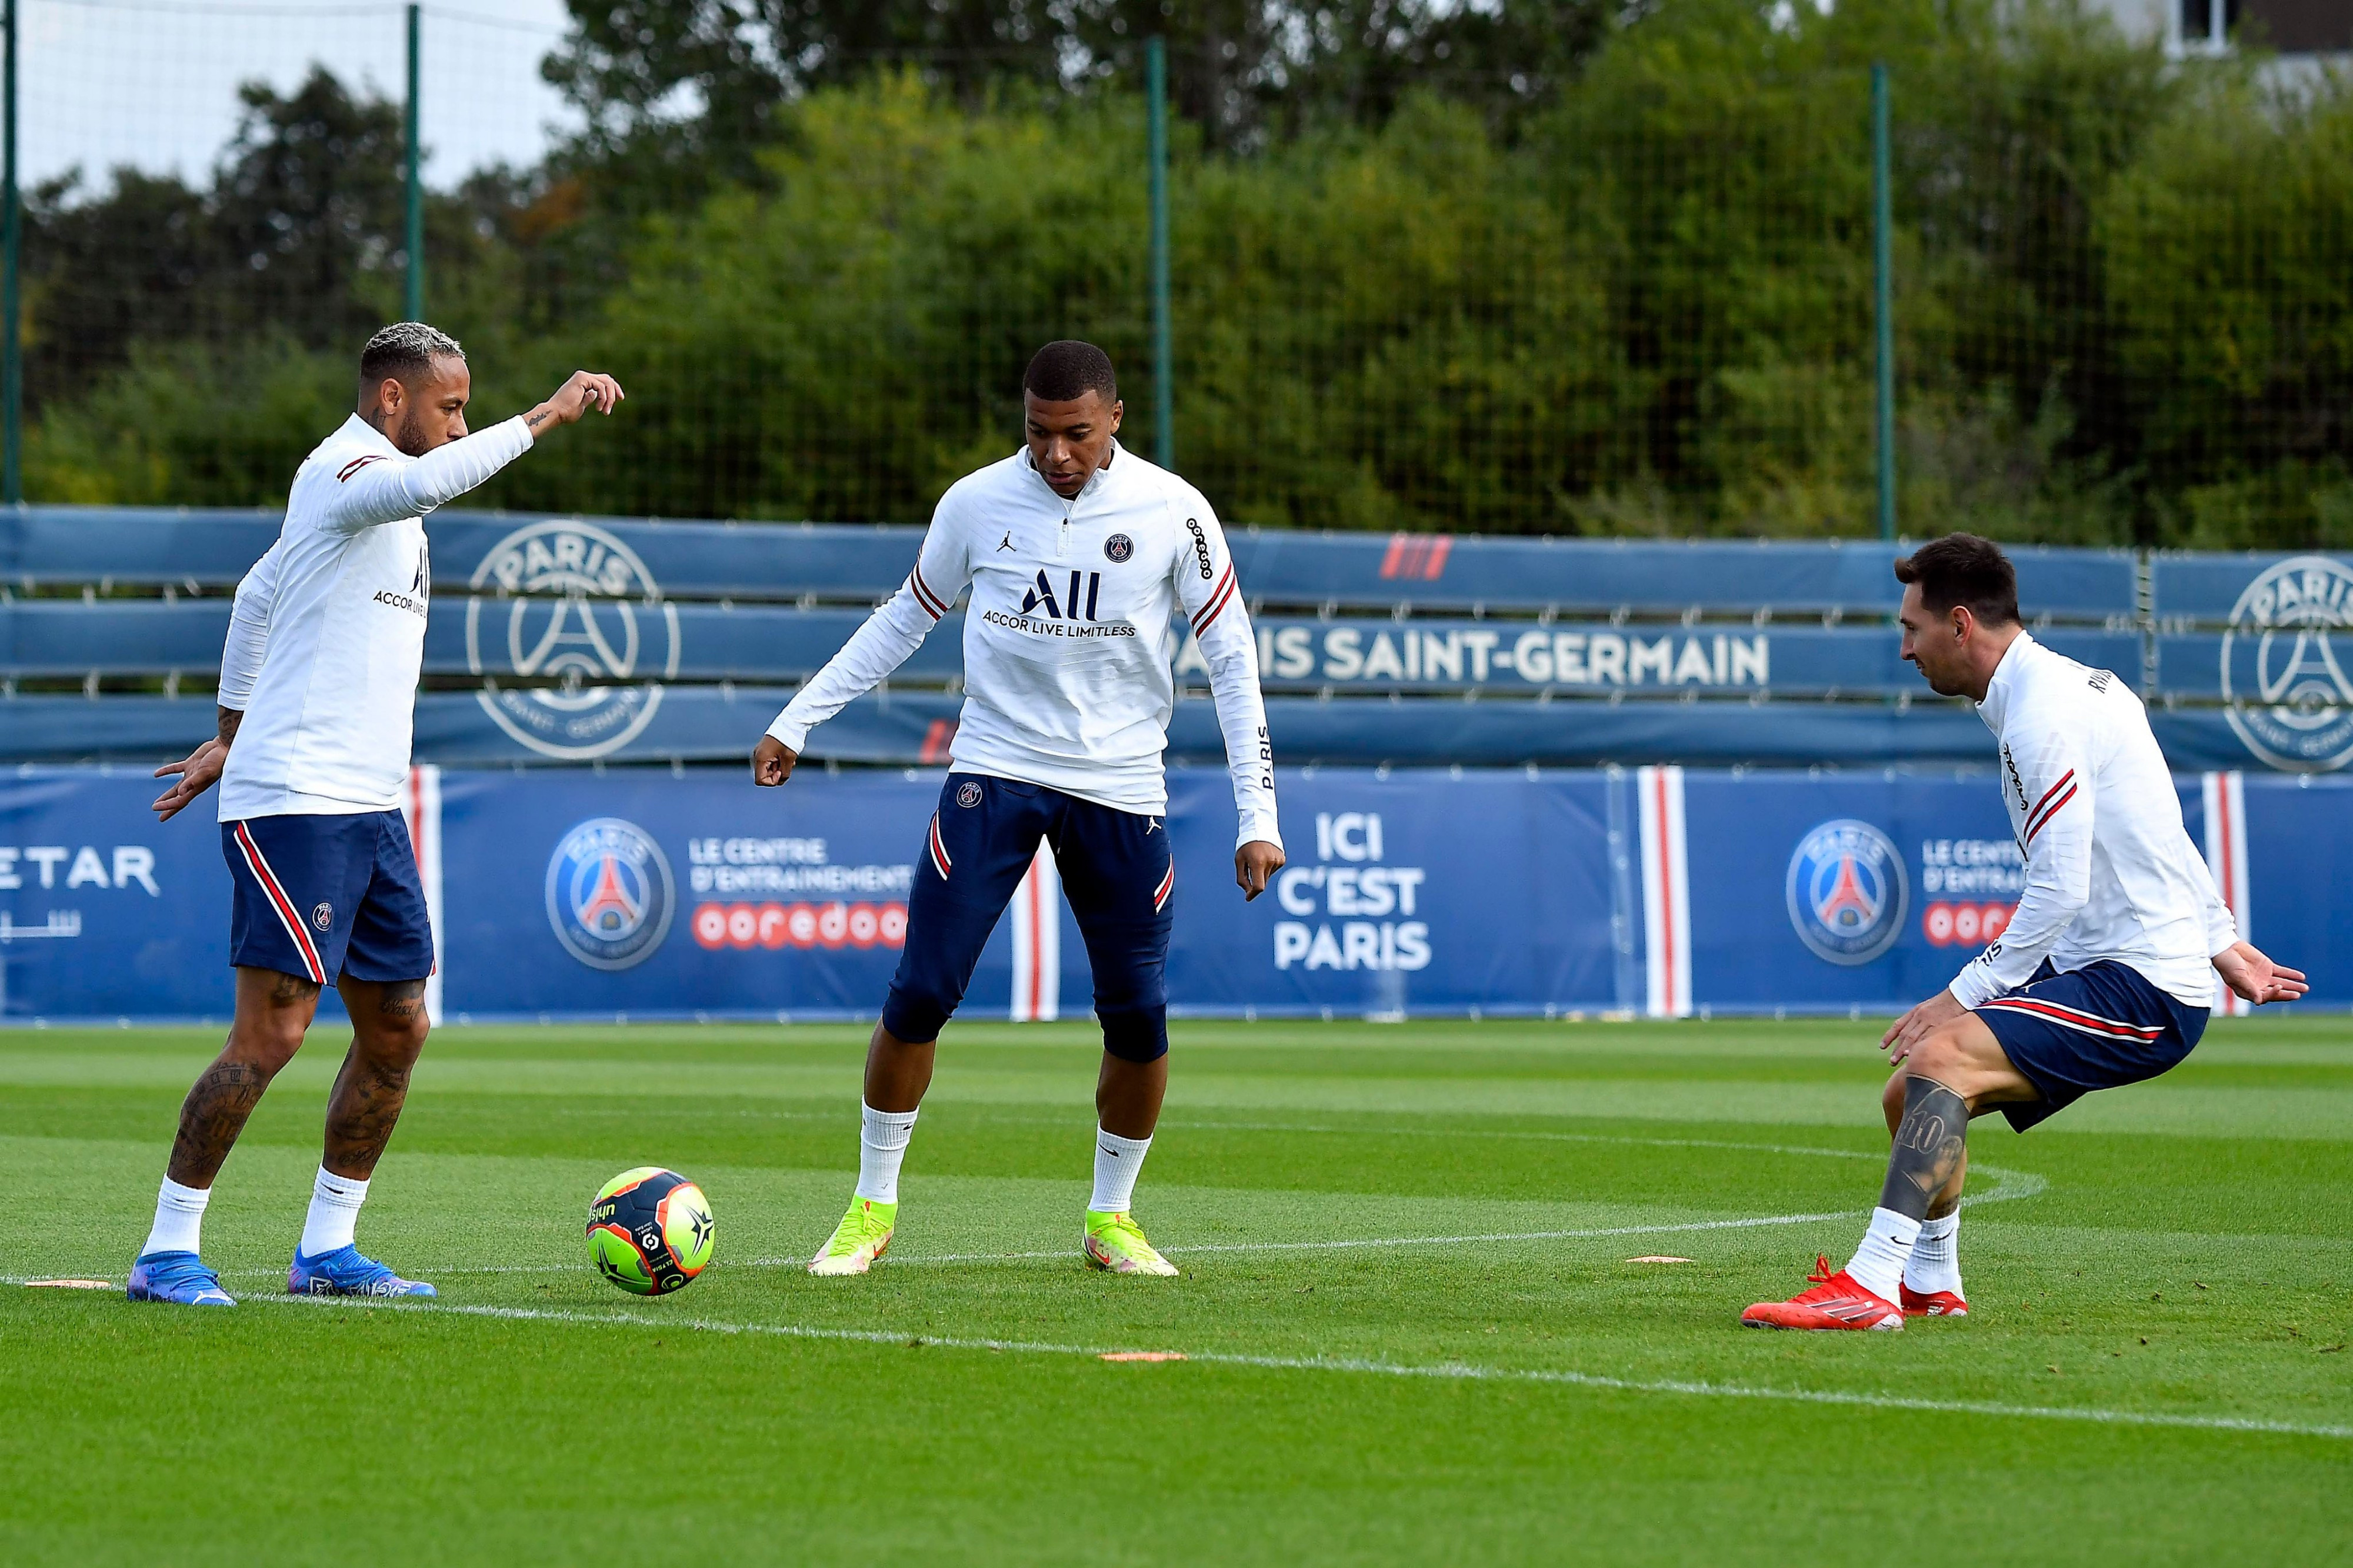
{"points": [[1963, 569], [1066, 370], [406, 349]]}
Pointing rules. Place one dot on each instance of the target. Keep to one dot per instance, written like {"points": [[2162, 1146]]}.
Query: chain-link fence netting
{"points": [[1615, 280]]}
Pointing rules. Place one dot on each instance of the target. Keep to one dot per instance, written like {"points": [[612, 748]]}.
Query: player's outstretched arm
{"points": [[374, 492], [772, 762], [2245, 969]]}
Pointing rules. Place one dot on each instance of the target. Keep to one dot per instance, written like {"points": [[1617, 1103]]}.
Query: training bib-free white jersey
{"points": [[1070, 634], [2110, 870], [335, 612]]}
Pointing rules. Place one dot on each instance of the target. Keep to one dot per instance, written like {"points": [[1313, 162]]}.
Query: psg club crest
{"points": [[609, 895], [1118, 548], [568, 609], [1847, 892], [2289, 698], [968, 793]]}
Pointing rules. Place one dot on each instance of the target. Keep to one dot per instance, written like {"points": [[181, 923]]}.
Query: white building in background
{"points": [[2307, 33]]}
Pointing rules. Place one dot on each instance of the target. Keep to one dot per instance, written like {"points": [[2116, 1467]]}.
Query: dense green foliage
{"points": [[1359, 1389], [1632, 297]]}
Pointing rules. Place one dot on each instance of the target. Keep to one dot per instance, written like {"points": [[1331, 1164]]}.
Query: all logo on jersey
{"points": [[1847, 891], [1118, 548], [1040, 599], [2290, 701], [609, 894], [576, 613]]}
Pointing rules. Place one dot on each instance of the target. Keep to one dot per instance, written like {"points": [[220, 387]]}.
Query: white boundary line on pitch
{"points": [[2012, 1186], [1454, 1370]]}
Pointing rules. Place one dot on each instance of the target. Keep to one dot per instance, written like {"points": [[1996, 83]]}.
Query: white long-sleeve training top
{"points": [[1069, 640], [327, 637], [2110, 870]]}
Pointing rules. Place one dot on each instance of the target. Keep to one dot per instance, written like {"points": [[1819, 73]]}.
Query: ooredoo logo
{"points": [[803, 925], [609, 894], [1846, 891], [2289, 698]]}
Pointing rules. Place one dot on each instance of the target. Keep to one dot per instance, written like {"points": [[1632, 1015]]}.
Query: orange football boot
{"points": [[1835, 1302], [1933, 1304]]}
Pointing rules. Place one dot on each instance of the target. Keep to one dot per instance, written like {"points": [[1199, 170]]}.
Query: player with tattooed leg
{"points": [[1080, 556], [2105, 974], [318, 693]]}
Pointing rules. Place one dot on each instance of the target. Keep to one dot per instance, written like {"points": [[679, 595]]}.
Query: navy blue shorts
{"points": [[319, 896], [2100, 1026], [1117, 872]]}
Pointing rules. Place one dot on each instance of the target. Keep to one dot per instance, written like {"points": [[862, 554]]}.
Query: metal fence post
{"points": [[12, 357], [416, 240], [1883, 268], [1164, 377]]}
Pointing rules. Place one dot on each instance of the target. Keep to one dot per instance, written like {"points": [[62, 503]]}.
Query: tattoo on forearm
{"points": [[210, 1119], [538, 417], [1930, 1144], [230, 718]]}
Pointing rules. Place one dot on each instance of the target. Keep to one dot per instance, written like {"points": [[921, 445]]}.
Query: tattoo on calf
{"points": [[210, 1119], [1929, 1143]]}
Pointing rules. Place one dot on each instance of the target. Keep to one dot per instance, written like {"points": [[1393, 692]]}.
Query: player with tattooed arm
{"points": [[2105, 974], [318, 695]]}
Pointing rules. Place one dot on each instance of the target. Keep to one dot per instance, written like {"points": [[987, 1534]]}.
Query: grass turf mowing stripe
{"points": [[2014, 1184], [1462, 1371]]}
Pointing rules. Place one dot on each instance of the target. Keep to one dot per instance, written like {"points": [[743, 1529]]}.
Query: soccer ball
{"points": [[649, 1231]]}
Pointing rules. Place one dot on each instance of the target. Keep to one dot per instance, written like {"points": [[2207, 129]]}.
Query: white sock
{"points": [[1936, 1262], [1878, 1264], [179, 1218], [334, 1210], [1118, 1160], [882, 1146]]}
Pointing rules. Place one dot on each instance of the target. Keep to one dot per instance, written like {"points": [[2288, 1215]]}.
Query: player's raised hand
{"points": [[772, 762], [197, 772], [1255, 863], [2256, 977], [573, 399]]}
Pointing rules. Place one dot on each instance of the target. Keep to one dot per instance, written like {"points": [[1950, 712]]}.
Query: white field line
{"points": [[2013, 1185], [1459, 1371]]}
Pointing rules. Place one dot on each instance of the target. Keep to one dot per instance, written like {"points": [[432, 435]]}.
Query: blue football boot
{"points": [[346, 1271], [177, 1276]]}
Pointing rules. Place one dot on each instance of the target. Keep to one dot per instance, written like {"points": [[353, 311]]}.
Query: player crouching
{"points": [[2101, 978], [1079, 555]]}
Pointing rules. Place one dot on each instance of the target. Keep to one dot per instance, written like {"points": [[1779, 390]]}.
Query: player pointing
{"points": [[2103, 975], [318, 694], [1080, 555]]}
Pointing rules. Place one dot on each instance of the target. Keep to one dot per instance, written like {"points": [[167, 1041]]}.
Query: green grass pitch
{"points": [[2156, 1371]]}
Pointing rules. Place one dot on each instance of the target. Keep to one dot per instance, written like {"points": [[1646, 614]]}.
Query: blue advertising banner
{"points": [[105, 912], [568, 894]]}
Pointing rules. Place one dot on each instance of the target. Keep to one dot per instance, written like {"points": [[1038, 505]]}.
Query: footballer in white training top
{"points": [[318, 698], [1080, 556]]}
